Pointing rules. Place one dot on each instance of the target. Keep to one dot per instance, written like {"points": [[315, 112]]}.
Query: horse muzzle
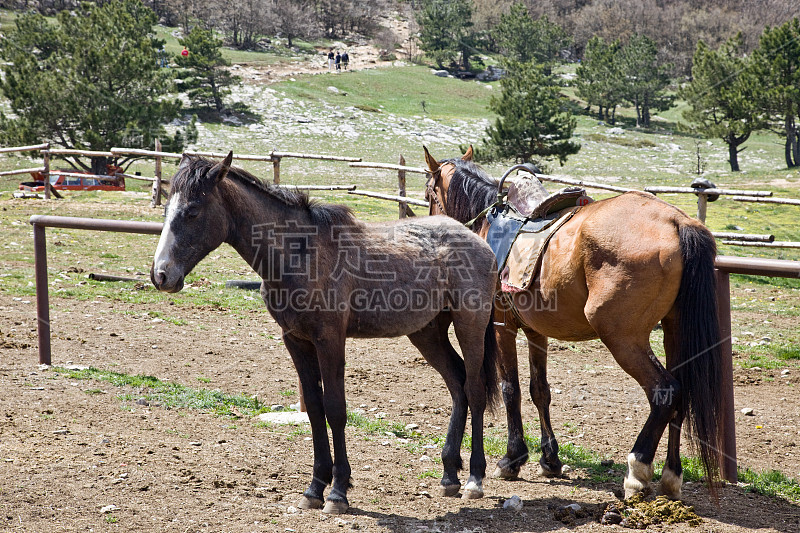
{"points": [[163, 281]]}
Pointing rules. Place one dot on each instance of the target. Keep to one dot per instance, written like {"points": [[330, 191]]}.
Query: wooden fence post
{"points": [[276, 170], [46, 172], [702, 205], [401, 187], [156, 191]]}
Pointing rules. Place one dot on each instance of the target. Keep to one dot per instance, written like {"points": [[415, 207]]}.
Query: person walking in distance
{"points": [[345, 60], [330, 60], [338, 61]]}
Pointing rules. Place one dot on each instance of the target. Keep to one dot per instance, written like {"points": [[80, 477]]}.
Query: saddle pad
{"points": [[526, 252], [504, 227]]}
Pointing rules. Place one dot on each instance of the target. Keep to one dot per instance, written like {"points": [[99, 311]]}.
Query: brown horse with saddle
{"points": [[612, 270]]}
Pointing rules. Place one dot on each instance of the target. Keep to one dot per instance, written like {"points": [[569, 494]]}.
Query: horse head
{"points": [[439, 175], [195, 223]]}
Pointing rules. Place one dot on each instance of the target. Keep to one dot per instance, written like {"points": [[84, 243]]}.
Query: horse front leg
{"points": [[331, 365], [516, 450], [550, 465], [304, 356]]}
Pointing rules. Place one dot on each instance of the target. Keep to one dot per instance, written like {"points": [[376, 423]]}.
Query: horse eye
{"points": [[192, 211]]}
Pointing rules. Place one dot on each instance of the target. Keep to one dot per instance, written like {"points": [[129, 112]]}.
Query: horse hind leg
{"points": [[662, 390], [549, 463], [435, 347], [672, 473]]}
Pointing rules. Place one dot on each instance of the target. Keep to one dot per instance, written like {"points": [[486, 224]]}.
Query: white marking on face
{"points": [[162, 258]]}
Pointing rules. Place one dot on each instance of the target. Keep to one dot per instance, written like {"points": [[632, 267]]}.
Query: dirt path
{"points": [[69, 448]]}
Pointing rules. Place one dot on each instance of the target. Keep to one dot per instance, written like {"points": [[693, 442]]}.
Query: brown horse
{"points": [[327, 276], [615, 270]]}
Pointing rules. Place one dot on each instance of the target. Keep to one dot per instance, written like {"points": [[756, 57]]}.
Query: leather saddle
{"points": [[527, 209]]}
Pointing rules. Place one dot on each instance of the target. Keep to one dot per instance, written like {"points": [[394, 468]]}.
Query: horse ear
{"points": [[433, 164], [468, 154], [185, 160], [222, 168]]}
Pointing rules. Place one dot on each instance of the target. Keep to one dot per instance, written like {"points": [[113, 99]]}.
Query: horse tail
{"points": [[490, 357], [697, 366]]}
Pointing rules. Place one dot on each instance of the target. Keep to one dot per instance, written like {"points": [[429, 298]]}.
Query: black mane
{"points": [[471, 191], [191, 180]]}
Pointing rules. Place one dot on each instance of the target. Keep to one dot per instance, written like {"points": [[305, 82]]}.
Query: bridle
{"points": [[430, 191]]}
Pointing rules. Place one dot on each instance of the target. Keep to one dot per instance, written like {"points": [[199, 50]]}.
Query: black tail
{"points": [[490, 357], [699, 354]]}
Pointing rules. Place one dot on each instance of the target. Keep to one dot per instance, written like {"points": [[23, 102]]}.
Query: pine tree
{"points": [[600, 80], [777, 66], [91, 81], [723, 96], [446, 33], [205, 78], [524, 39], [533, 124], [644, 78]]}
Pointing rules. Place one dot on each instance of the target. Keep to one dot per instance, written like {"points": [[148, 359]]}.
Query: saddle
{"points": [[523, 222]]}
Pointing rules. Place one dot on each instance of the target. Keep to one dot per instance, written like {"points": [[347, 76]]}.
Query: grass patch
{"points": [[172, 395], [788, 353], [770, 483], [375, 425]]}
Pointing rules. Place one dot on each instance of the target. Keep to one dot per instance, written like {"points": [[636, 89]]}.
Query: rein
{"points": [[431, 192]]}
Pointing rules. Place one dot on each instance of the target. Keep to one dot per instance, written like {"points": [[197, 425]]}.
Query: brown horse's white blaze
{"points": [[354, 279], [614, 271]]}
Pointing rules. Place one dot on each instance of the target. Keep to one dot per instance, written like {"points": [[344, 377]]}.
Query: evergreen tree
{"points": [[533, 124], [600, 81], [204, 78], [91, 81], [446, 33], [723, 96], [644, 78], [777, 66], [523, 39]]}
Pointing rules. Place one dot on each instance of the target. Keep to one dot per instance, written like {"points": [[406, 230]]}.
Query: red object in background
{"points": [[184, 52]]}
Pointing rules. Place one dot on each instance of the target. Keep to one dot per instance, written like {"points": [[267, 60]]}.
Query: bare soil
{"points": [[70, 448]]}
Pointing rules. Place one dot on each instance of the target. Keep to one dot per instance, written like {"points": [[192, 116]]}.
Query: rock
{"points": [[573, 506], [411, 427], [747, 411], [514, 503], [292, 509], [440, 73], [425, 458], [276, 407], [615, 131], [332, 89], [784, 372], [611, 518], [109, 509], [492, 73], [566, 469]]}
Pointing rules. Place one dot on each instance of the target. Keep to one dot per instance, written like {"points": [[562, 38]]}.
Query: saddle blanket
{"points": [[525, 254]]}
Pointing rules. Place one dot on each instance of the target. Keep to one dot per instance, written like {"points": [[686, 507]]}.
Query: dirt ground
{"points": [[65, 453]]}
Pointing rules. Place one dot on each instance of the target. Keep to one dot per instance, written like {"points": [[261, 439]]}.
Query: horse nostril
{"points": [[160, 277]]}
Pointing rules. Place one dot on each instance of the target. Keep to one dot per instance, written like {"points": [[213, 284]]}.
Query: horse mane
{"points": [[471, 190], [191, 181]]}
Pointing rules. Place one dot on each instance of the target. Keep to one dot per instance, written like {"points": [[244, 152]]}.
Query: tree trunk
{"points": [[638, 112], [733, 154], [99, 165], [790, 147]]}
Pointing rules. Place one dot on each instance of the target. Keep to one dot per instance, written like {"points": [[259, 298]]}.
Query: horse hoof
{"points": [[335, 507], [472, 491], [505, 473], [547, 472], [449, 490], [309, 503]]}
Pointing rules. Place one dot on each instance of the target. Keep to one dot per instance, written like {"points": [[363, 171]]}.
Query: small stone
{"points": [[784, 372], [607, 463], [611, 518], [276, 407], [425, 459], [411, 427], [142, 401], [573, 506], [747, 411], [514, 503], [61, 432], [109, 509], [380, 416], [367, 467], [425, 493], [566, 469], [195, 443], [292, 509]]}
